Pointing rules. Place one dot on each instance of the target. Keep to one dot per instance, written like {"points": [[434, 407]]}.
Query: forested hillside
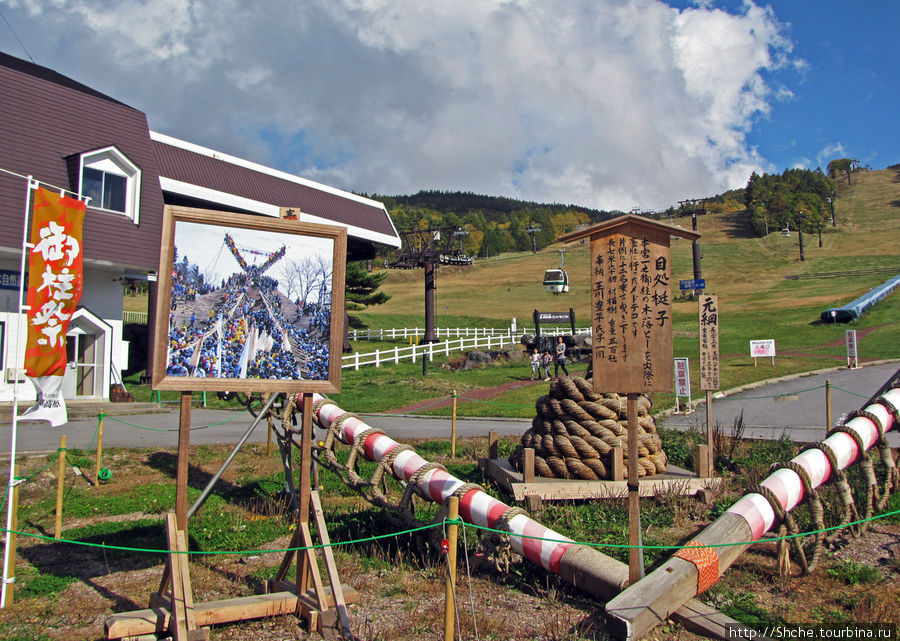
{"points": [[491, 225]]}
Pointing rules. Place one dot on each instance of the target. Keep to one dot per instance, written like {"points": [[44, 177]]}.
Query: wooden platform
{"points": [[673, 481], [158, 619]]}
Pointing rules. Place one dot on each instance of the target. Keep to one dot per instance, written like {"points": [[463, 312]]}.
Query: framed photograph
{"points": [[248, 303]]}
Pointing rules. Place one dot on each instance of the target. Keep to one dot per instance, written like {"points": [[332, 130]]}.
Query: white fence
{"points": [[457, 332], [134, 317], [428, 351], [396, 354]]}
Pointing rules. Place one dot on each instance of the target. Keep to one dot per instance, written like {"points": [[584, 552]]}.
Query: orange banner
{"points": [[55, 279]]}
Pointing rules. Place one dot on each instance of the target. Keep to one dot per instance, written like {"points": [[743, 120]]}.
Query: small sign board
{"points": [[852, 353], [682, 378], [697, 283], [554, 317], [762, 349], [709, 342], [9, 279]]}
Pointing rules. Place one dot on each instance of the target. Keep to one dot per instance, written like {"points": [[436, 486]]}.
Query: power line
{"points": [[13, 31]]}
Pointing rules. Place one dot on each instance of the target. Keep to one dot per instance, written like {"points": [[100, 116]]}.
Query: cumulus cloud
{"points": [[605, 103]]}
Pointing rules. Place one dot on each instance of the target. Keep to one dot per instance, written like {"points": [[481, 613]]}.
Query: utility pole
{"points": [[831, 202], [532, 230], [695, 246], [800, 233]]}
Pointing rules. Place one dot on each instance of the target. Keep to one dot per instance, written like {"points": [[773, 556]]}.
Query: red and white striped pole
{"points": [[475, 506], [694, 568]]}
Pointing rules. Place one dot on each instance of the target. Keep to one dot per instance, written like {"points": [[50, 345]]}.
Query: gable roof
{"points": [[629, 222], [47, 121], [205, 176]]}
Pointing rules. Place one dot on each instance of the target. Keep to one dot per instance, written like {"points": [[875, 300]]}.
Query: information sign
{"points": [[709, 342], [699, 283]]}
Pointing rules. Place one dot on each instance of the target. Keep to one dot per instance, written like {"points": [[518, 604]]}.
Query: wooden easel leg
{"points": [[181, 474], [305, 470], [330, 565], [183, 623]]}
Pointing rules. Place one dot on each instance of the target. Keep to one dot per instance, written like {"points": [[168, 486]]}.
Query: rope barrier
{"points": [[441, 523], [174, 429]]}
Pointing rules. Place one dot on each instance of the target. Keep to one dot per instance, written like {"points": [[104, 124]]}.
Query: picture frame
{"points": [[233, 316]]}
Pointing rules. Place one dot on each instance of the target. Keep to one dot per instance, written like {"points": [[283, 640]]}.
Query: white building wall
{"points": [[102, 295]]}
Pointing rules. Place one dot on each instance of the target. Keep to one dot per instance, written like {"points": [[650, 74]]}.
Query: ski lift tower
{"points": [[429, 248]]}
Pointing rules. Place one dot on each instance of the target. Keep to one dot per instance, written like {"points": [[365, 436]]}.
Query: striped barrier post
{"points": [[695, 567]]}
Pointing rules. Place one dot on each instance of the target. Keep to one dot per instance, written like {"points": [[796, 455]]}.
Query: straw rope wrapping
{"points": [[876, 498], [575, 430]]}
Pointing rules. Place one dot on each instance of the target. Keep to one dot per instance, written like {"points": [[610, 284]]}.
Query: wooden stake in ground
{"points": [[99, 450], [450, 585], [635, 551], [60, 480], [181, 467]]}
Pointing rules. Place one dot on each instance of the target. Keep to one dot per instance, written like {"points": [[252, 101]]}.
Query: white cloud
{"points": [[606, 103]]}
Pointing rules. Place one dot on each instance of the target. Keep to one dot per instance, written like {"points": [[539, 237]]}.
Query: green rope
{"points": [[173, 429], [443, 523], [483, 400], [846, 391], [225, 552]]}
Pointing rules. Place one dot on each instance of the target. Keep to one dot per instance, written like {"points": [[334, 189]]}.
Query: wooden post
{"points": [[453, 429], [269, 437], [306, 437], [618, 463], [450, 586], [528, 466], [827, 405], [337, 591], [701, 461], [709, 434], [492, 444], [99, 450], [60, 479], [635, 552], [14, 520], [181, 468]]}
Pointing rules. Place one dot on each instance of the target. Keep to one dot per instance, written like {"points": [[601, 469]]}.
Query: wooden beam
{"points": [[181, 468], [649, 602], [126, 624]]}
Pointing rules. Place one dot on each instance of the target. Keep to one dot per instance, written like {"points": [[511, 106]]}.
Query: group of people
{"points": [[558, 358], [246, 335]]}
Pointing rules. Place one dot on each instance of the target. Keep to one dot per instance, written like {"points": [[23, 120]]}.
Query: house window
{"points": [[112, 181]]}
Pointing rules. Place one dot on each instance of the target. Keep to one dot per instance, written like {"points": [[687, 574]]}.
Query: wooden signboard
{"points": [[631, 307], [709, 342]]}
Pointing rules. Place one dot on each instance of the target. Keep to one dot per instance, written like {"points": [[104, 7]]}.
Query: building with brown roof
{"points": [[70, 137]]}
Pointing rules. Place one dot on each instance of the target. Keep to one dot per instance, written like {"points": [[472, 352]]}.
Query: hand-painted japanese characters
{"points": [[54, 288]]}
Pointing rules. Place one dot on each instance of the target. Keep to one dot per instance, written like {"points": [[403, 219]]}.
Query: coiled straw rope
{"points": [[576, 429]]}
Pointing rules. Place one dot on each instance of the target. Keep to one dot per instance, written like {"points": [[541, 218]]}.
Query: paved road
{"points": [[797, 404], [222, 426]]}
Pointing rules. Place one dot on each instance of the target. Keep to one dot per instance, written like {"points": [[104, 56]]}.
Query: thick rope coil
{"points": [[575, 430]]}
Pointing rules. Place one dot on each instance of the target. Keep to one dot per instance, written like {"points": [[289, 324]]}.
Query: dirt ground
{"points": [[403, 600]]}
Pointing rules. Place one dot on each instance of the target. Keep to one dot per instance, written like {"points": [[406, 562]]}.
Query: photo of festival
{"points": [[249, 304]]}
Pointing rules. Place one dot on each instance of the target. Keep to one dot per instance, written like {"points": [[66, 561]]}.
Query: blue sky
{"points": [[611, 104]]}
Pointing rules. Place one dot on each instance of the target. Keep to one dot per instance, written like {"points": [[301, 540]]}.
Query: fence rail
{"points": [[456, 332], [429, 350], [134, 317]]}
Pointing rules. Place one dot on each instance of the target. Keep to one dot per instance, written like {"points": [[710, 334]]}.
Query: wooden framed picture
{"points": [[249, 303]]}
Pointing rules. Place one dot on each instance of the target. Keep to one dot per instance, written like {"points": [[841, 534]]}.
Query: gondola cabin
{"points": [[556, 281]]}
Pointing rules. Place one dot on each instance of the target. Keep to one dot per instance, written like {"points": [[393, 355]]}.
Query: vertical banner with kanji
{"points": [[55, 278], [709, 342]]}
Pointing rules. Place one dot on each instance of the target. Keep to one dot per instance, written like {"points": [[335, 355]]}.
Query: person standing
{"points": [[535, 364], [560, 359], [546, 359]]}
